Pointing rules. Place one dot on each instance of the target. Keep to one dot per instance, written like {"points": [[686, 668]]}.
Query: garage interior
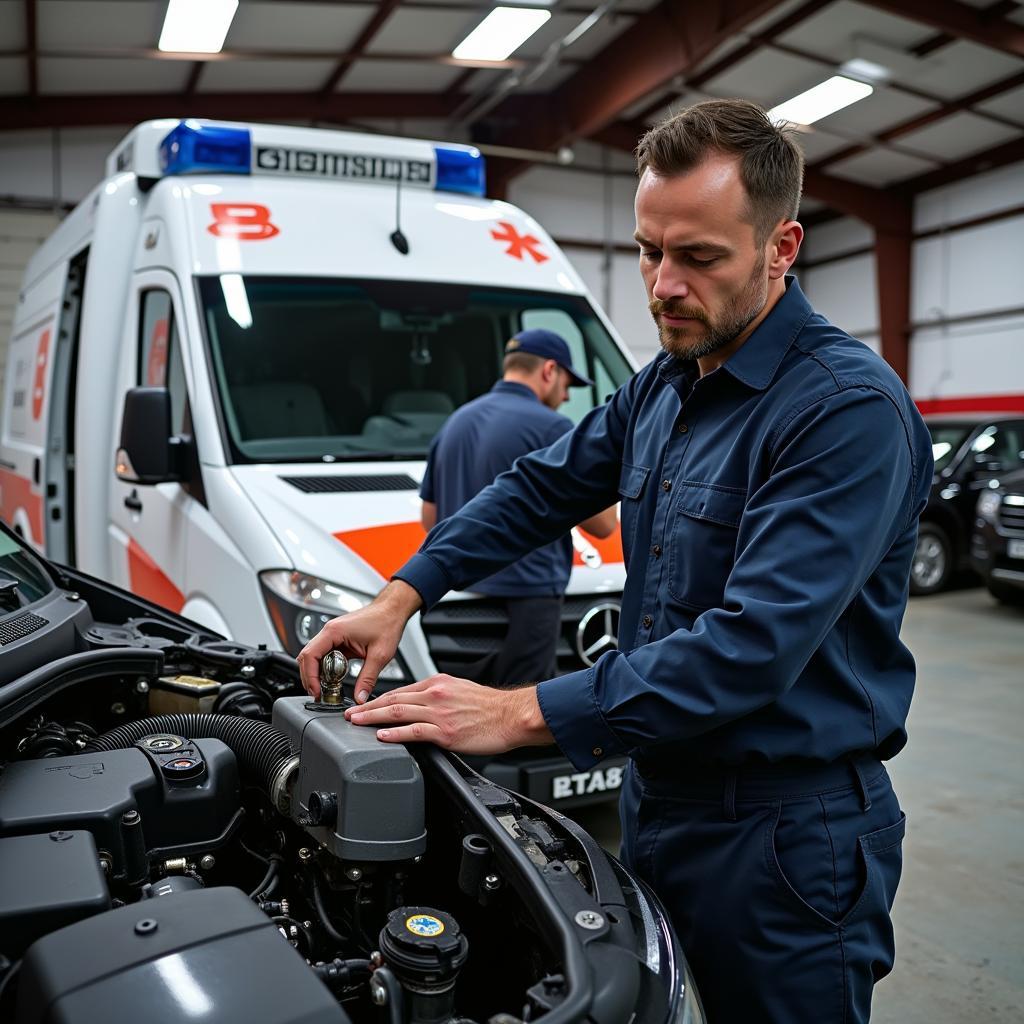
{"points": [[914, 213]]}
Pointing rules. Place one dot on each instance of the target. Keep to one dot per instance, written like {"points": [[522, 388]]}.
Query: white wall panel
{"points": [[835, 237], [968, 359], [970, 271], [846, 292], [974, 197]]}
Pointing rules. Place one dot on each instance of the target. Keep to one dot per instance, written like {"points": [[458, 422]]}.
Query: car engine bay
{"points": [[184, 834]]}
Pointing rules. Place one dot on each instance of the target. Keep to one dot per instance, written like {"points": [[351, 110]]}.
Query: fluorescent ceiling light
{"points": [[822, 100], [501, 33], [196, 26], [865, 70]]}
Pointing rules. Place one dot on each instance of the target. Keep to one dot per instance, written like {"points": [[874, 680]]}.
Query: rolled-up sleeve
{"points": [[839, 494]]}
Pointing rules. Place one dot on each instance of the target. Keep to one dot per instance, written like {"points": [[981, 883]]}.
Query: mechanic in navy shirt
{"points": [[771, 471], [480, 441]]}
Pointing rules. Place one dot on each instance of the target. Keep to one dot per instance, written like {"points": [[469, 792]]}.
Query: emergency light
{"points": [[192, 147]]}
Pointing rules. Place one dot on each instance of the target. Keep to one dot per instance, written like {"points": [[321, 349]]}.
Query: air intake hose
{"points": [[263, 752]]}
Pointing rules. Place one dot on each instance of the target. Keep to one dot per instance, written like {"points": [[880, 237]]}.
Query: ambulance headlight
{"points": [[301, 605]]}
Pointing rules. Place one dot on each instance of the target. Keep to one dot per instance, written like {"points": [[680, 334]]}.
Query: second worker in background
{"points": [[478, 443]]}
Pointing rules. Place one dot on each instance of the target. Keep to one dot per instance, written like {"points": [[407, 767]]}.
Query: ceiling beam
{"points": [[960, 21], [195, 73], [978, 163], [292, 56], [941, 39], [32, 47], [875, 206], [668, 40], [922, 120], [372, 27], [48, 111], [752, 45]]}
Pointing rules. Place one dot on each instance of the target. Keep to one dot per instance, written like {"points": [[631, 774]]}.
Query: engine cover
{"points": [[138, 804], [360, 798], [207, 955]]}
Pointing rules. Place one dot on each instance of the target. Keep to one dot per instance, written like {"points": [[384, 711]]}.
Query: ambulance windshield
{"points": [[315, 368]]}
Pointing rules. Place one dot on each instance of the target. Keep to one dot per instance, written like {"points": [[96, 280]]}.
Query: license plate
{"points": [[1015, 548], [577, 784], [555, 782]]}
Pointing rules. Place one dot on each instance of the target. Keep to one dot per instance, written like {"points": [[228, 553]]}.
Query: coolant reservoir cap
{"points": [[422, 944]]}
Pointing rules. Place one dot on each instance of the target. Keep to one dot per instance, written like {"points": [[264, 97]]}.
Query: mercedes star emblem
{"points": [[598, 632]]}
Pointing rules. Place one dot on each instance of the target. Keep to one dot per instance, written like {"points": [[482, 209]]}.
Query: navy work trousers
{"points": [[779, 884]]}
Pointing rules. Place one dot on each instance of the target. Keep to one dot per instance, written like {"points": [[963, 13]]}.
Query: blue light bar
{"points": [[191, 148], [460, 170]]}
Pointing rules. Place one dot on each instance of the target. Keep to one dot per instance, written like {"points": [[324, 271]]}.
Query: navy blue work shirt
{"points": [[769, 517], [477, 443]]}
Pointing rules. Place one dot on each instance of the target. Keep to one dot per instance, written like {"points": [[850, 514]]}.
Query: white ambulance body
{"points": [[258, 274]]}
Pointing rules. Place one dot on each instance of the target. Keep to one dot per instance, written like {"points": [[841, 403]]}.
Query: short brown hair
{"points": [[522, 362], [771, 163]]}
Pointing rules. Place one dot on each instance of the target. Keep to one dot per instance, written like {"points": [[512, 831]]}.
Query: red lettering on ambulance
{"points": [[245, 222], [39, 381], [156, 364]]}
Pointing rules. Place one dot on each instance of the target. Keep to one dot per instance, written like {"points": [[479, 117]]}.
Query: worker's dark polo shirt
{"points": [[769, 518], [480, 441]]}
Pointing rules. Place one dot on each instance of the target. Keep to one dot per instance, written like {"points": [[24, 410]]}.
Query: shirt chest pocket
{"points": [[632, 481], [702, 542]]}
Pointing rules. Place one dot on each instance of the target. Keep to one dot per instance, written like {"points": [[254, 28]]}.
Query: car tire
{"points": [[1006, 594], [933, 560]]}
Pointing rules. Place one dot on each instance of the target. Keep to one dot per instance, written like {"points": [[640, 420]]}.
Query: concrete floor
{"points": [[959, 912]]}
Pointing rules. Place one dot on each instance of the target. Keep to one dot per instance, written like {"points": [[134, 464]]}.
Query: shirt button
{"points": [[597, 751], [647, 622], [656, 551], [683, 428], [666, 485]]}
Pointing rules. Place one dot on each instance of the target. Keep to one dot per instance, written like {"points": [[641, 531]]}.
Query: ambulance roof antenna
{"points": [[398, 240]]}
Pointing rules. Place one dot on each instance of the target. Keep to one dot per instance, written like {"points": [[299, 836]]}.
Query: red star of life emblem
{"points": [[517, 243]]}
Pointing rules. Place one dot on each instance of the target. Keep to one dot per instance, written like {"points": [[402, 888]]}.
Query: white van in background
{"points": [[269, 325]]}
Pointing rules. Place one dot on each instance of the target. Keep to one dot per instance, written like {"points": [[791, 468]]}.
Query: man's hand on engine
{"points": [[456, 714], [372, 633]]}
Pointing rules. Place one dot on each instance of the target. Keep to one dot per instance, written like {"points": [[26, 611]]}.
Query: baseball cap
{"points": [[548, 345]]}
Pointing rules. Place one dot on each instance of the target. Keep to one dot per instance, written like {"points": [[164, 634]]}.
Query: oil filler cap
{"points": [[425, 948]]}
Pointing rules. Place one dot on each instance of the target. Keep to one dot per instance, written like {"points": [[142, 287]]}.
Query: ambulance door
{"points": [[149, 524]]}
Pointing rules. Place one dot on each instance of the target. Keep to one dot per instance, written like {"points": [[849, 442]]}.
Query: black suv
{"points": [[970, 449], [997, 547]]}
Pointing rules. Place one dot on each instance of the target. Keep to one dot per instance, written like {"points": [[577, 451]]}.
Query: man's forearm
{"points": [[401, 599]]}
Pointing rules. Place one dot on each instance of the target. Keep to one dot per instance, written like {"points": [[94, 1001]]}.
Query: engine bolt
{"points": [[376, 959], [590, 920], [117, 708], [378, 992], [354, 874], [491, 882], [207, 862], [142, 686], [305, 854], [247, 671]]}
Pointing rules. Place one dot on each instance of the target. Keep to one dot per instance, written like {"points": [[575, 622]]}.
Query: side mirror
{"points": [[149, 453]]}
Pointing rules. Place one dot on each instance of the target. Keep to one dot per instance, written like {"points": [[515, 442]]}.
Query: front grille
{"points": [[19, 628], [459, 633], [1011, 513], [352, 484]]}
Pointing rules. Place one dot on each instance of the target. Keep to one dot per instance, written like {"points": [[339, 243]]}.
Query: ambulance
{"points": [[228, 363]]}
